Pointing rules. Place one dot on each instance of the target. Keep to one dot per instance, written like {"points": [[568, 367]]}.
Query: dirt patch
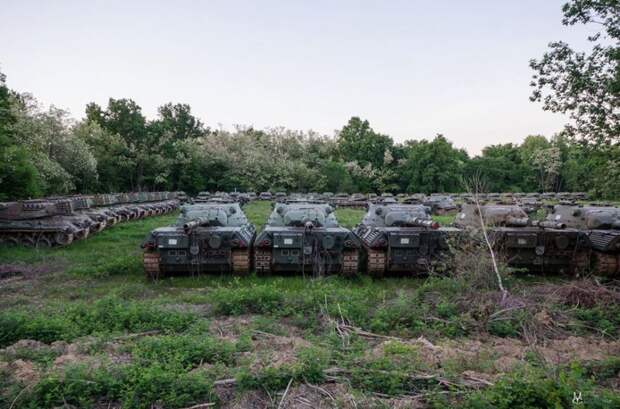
{"points": [[325, 396], [249, 400], [275, 351], [24, 371], [494, 355], [230, 328], [29, 271]]}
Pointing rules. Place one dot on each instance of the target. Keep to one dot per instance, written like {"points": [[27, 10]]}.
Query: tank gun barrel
{"points": [[192, 224], [517, 221], [547, 224], [416, 221]]}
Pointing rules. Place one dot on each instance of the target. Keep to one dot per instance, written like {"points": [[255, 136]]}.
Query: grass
{"points": [[142, 344]]}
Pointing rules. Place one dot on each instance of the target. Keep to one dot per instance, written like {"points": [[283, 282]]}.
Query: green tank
{"points": [[537, 246], [306, 238], [207, 237], [400, 238], [602, 227], [41, 223]]}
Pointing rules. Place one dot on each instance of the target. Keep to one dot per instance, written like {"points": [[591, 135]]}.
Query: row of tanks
{"points": [[303, 236], [59, 221], [299, 237]]}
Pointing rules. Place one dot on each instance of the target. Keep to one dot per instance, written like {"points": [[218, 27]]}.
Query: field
{"points": [[82, 327]]}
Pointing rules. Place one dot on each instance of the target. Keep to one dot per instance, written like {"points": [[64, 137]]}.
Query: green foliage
{"points": [[108, 315], [135, 386], [185, 351], [584, 85], [308, 368], [434, 166], [247, 299], [531, 388], [605, 319]]}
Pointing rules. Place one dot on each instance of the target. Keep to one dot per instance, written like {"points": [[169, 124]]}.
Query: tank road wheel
{"points": [[350, 260], [581, 263], [27, 240], [240, 261], [376, 263], [151, 265], [262, 261], [44, 241], [63, 239], [606, 264]]}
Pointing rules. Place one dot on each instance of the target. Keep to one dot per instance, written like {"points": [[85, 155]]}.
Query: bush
{"points": [[184, 351], [136, 387], [107, 315], [532, 388], [257, 299]]}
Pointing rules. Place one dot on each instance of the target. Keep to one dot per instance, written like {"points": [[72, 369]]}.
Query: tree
{"points": [[177, 122], [124, 117], [584, 85], [358, 142], [434, 166], [501, 167], [63, 162]]}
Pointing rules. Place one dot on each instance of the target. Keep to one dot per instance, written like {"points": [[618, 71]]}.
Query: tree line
{"points": [[116, 148]]}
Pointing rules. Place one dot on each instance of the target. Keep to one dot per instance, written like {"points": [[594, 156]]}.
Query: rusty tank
{"points": [[41, 223], [602, 227], [537, 246]]}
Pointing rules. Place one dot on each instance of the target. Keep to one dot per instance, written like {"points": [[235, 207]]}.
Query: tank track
{"points": [[240, 261], [37, 239], [350, 262], [262, 261], [151, 265], [376, 262], [607, 264], [581, 263]]}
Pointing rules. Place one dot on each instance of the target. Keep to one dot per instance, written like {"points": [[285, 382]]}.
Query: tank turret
{"points": [[440, 204]]}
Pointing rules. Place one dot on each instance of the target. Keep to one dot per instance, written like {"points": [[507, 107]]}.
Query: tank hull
{"points": [[318, 251], [172, 251]]}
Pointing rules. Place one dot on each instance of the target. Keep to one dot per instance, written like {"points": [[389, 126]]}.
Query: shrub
{"points": [[184, 351], [107, 315]]}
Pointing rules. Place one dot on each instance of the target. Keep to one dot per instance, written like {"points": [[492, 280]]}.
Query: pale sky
{"points": [[412, 68]]}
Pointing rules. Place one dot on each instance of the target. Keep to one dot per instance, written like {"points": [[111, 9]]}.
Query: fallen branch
{"points": [[285, 392], [201, 406]]}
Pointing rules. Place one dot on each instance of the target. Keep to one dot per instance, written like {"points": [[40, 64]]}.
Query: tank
{"points": [[265, 196], [440, 204], [416, 198], [206, 237], [400, 238], [537, 246], [306, 238], [41, 223], [202, 197], [602, 227]]}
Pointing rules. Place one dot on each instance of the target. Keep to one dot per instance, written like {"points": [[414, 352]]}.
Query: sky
{"points": [[412, 68]]}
